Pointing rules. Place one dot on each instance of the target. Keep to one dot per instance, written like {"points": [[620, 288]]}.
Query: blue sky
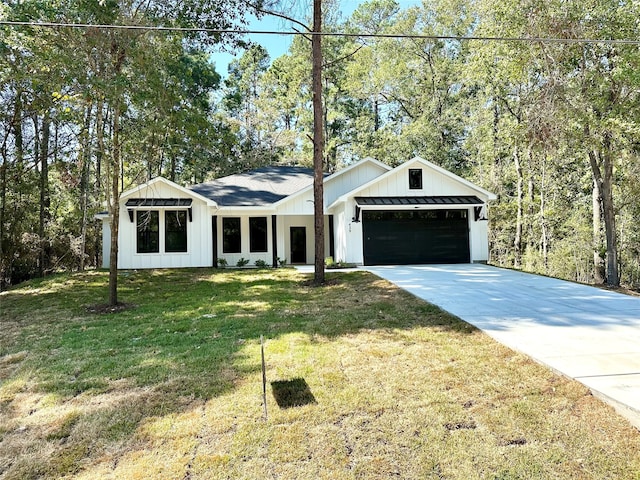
{"points": [[278, 45]]}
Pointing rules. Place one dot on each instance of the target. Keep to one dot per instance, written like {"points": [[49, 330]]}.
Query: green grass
{"points": [[372, 383]]}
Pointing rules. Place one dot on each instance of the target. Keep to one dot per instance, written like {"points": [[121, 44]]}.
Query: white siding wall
{"points": [[199, 248], [350, 235], [285, 222], [244, 215], [297, 221], [433, 183], [298, 205], [350, 180], [479, 239], [340, 229], [106, 242]]}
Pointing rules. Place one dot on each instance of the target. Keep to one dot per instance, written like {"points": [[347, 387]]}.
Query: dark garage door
{"points": [[414, 237]]}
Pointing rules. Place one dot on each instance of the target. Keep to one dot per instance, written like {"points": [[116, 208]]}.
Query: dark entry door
{"points": [[414, 237], [298, 245]]}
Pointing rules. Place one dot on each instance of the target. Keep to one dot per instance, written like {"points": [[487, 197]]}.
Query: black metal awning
{"points": [[134, 203], [158, 202], [409, 201]]}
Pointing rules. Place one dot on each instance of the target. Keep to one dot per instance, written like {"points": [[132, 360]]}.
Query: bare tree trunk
{"points": [[45, 201], [544, 237], [100, 143], [318, 143], [18, 148], [84, 182], [598, 264], [3, 200], [602, 168], [115, 207], [531, 195], [119, 55], [173, 169], [17, 131], [517, 242], [376, 113]]}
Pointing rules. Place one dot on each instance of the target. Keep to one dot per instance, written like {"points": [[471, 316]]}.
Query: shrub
{"points": [[338, 264], [222, 262], [242, 262]]}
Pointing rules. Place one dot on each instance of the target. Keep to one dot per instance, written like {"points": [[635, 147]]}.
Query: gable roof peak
{"points": [[160, 179]]}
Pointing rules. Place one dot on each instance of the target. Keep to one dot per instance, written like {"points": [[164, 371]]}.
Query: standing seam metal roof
{"points": [[429, 200]]}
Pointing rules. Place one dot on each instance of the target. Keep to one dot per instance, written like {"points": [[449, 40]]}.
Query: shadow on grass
{"points": [[292, 393], [184, 341]]}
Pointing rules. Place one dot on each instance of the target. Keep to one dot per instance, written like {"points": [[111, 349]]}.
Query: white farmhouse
{"points": [[414, 213]]}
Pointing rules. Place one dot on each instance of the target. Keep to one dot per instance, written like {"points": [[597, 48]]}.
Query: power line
{"points": [[324, 34]]}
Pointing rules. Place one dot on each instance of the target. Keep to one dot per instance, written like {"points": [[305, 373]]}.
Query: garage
{"points": [[417, 229], [415, 237]]}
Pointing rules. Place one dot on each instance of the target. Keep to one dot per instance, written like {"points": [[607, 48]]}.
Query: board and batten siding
{"points": [[199, 247], [433, 183], [244, 214], [106, 242], [297, 204], [348, 234], [344, 182], [285, 222]]}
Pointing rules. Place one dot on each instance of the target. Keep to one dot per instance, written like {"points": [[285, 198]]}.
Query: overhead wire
{"points": [[416, 36]]}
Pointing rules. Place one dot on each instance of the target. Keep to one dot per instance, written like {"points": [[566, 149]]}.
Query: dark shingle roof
{"points": [[259, 187]]}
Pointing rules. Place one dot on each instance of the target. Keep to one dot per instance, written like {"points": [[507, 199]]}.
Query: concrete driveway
{"points": [[586, 333]]}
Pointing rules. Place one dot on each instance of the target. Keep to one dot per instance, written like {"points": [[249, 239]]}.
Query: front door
{"points": [[298, 245]]}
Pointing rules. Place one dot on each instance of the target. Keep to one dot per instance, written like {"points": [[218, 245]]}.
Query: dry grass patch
{"points": [[172, 389]]}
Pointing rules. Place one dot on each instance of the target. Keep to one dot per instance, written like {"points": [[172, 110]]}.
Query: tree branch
{"points": [[343, 58], [259, 9], [390, 98]]}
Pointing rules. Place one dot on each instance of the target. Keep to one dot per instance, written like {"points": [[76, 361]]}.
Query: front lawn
{"points": [[364, 381]]}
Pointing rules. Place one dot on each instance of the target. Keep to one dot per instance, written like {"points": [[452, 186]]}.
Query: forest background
{"points": [[551, 126]]}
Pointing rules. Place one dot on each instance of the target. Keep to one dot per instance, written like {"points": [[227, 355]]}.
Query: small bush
{"points": [[242, 262], [222, 262], [338, 264], [261, 264]]}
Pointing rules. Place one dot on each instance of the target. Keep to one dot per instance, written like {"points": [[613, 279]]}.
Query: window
{"points": [[415, 178], [231, 235], [148, 231], [175, 231], [258, 234]]}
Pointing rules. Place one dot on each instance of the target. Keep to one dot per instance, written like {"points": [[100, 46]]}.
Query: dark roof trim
{"points": [[159, 202], [409, 201]]}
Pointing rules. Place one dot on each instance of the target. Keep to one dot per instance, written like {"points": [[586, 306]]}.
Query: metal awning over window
{"points": [[158, 202], [409, 201], [137, 203]]}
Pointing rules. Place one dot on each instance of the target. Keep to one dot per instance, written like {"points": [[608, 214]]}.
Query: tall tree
{"points": [[315, 33], [318, 143], [121, 48]]}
